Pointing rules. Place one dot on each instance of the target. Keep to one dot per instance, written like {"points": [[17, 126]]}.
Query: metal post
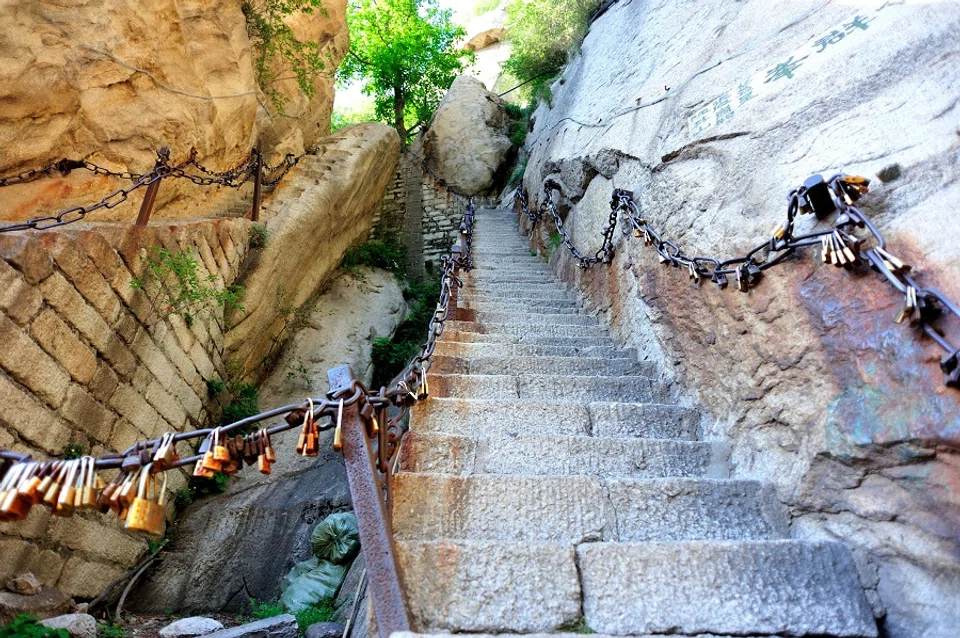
{"points": [[150, 197], [257, 180], [455, 252], [376, 534]]}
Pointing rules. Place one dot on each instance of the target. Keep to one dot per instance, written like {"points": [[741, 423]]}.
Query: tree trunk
{"points": [[398, 108]]}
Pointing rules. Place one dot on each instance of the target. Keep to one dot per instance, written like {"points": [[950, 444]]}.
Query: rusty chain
{"points": [[840, 246]]}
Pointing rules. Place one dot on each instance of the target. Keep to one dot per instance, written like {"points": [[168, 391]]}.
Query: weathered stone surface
{"points": [[284, 626], [489, 587], [816, 387], [77, 625], [189, 627], [771, 587], [318, 215], [48, 603], [111, 87], [467, 140], [540, 387], [485, 38], [324, 630], [26, 584]]}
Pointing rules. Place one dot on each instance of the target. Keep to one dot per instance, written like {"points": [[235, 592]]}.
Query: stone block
{"points": [[104, 382], [88, 414], [82, 273], [124, 435], [86, 579], [166, 405], [102, 541], [30, 365], [25, 253], [284, 626], [18, 299], [62, 344], [32, 527], [133, 407], [33, 421]]}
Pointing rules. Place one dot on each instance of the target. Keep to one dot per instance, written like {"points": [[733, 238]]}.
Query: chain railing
{"points": [[368, 427], [250, 169], [840, 246]]}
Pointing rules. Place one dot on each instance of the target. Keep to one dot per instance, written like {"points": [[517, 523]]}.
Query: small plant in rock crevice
{"points": [[258, 236], [26, 626], [73, 451], [390, 355]]}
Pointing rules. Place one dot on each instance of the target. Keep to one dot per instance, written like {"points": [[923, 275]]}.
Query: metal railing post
{"points": [[376, 534], [455, 252], [150, 197]]}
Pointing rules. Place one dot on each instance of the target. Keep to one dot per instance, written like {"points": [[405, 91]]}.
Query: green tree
{"points": [[407, 54]]}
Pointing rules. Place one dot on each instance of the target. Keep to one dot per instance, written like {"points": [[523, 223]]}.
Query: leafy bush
{"points": [[341, 118], [519, 122], [109, 630], [518, 172], [24, 626], [390, 355], [543, 34], [321, 612], [261, 610], [485, 6], [384, 250], [273, 38], [258, 236]]}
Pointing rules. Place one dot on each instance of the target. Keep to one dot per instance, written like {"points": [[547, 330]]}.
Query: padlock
{"points": [[138, 517], [15, 505], [263, 463], [89, 499], [818, 196], [909, 305], [249, 450], [64, 505], [56, 481], [220, 452], [30, 484], [338, 432], [268, 447], [209, 461], [106, 494], [156, 523]]}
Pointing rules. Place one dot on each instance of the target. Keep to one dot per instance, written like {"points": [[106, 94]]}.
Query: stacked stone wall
{"points": [[90, 360]]}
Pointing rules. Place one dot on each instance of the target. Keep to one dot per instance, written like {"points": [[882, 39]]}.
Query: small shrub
{"points": [[182, 498], [258, 236], [215, 387], [519, 122], [383, 250], [390, 355], [261, 610], [201, 486], [578, 626], [321, 612], [518, 172], [110, 630], [154, 546], [244, 402], [25, 626], [553, 243], [72, 451]]}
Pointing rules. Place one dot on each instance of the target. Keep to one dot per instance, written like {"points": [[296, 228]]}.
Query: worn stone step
{"points": [[577, 509], [507, 277], [557, 307], [557, 455], [501, 297], [528, 263], [491, 417], [577, 365], [783, 587], [483, 586], [513, 288], [531, 337], [512, 329], [446, 348], [632, 389], [534, 318]]}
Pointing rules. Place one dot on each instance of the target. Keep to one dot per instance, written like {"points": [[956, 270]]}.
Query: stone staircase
{"points": [[545, 488]]}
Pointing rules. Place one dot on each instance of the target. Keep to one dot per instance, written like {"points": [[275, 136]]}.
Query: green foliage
{"points": [[182, 498], [24, 626], [110, 630], [341, 118], [274, 40], [199, 486], [578, 626], [407, 53], [518, 172], [485, 6], [176, 279], [154, 546], [519, 122], [554, 242], [390, 355], [72, 451], [261, 610], [244, 402], [258, 236], [543, 34], [384, 250], [321, 612], [215, 386]]}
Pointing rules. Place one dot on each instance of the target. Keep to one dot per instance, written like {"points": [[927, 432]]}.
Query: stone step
{"points": [[528, 263], [507, 277], [527, 387], [470, 351], [532, 337], [490, 417], [781, 587], [745, 588], [553, 307], [519, 329], [577, 365], [558, 455], [512, 288], [577, 509], [527, 317], [483, 586], [517, 297]]}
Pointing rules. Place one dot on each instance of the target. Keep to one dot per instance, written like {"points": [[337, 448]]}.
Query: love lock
{"points": [[816, 197]]}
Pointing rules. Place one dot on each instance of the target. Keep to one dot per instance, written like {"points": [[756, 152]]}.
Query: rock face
{"points": [[190, 627], [26, 584], [807, 376], [238, 545], [115, 81], [77, 625], [317, 215], [284, 626], [48, 603], [467, 138]]}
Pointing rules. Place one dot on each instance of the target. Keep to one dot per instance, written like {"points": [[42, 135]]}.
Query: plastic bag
{"points": [[336, 539], [309, 588], [298, 570]]}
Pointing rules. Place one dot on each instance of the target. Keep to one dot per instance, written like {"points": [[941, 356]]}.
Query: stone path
{"points": [[545, 488]]}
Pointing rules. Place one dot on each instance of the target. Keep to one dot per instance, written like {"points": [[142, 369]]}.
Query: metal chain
{"points": [[840, 246]]}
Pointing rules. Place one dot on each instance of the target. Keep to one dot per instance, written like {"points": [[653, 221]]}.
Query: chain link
{"points": [[840, 246]]}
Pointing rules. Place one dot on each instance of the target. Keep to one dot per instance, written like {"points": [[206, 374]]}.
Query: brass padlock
{"points": [[156, 523], [30, 484], [89, 499], [263, 463], [139, 512], [14, 506], [56, 481], [220, 452], [68, 492]]}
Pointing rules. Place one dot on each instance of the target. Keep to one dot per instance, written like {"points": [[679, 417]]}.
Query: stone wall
{"points": [[807, 376], [87, 359]]}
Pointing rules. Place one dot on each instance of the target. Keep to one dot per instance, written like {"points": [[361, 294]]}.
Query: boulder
{"points": [[48, 603], [26, 584], [806, 376], [485, 38], [468, 137], [284, 626], [325, 630], [77, 625], [188, 627]]}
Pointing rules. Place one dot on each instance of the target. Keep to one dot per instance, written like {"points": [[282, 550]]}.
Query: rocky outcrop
{"points": [[238, 545], [807, 376], [312, 220], [467, 139], [113, 82], [485, 38]]}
